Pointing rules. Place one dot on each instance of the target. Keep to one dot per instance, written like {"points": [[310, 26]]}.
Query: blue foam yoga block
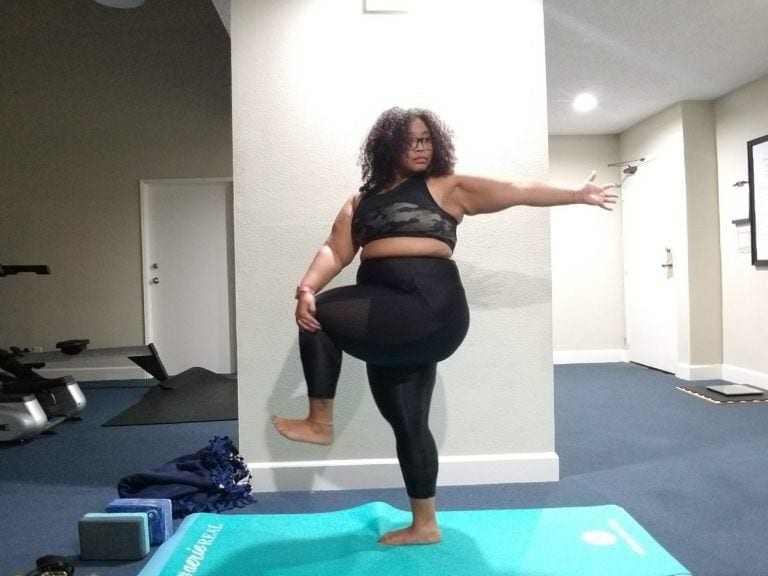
{"points": [[159, 511]]}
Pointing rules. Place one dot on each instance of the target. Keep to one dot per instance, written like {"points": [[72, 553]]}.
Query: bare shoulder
{"points": [[442, 185], [444, 191], [350, 205]]}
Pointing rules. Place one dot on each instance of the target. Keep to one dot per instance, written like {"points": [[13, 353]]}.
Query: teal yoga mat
{"points": [[589, 541]]}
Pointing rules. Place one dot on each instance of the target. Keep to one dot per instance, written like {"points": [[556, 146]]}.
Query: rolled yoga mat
{"points": [[588, 541]]}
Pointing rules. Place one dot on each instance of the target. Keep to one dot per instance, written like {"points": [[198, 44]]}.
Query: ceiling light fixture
{"points": [[630, 166], [123, 4], [386, 6], [584, 102]]}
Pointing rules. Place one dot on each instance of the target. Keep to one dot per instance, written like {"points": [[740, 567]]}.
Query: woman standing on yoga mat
{"points": [[408, 310]]}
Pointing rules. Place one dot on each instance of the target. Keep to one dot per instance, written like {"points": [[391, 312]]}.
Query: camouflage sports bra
{"points": [[406, 210]]}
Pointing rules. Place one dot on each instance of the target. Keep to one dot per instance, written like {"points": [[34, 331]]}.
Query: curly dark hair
{"points": [[388, 140]]}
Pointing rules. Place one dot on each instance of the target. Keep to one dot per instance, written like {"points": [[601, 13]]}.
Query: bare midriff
{"points": [[406, 247]]}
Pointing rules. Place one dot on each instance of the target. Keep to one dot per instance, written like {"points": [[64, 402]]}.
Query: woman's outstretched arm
{"points": [[476, 195]]}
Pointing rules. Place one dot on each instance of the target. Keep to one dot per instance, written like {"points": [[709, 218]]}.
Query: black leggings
{"points": [[402, 317]]}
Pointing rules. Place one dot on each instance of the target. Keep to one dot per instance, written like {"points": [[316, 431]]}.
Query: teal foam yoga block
{"points": [[115, 536]]}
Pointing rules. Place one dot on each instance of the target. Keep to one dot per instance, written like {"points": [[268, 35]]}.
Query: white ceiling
{"points": [[640, 57]]}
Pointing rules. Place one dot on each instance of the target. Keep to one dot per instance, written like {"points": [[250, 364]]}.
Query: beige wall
{"points": [[587, 261], [682, 137], [704, 326], [741, 116], [302, 102], [93, 100], [723, 309]]}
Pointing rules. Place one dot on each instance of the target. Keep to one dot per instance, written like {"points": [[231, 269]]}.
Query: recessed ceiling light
{"points": [[584, 102], [373, 6], [123, 4]]}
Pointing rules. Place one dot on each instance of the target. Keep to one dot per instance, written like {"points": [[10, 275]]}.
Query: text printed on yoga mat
{"points": [[200, 549]]}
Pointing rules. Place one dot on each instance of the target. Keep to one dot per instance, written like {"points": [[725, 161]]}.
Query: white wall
{"points": [[587, 259], [309, 78], [741, 116]]}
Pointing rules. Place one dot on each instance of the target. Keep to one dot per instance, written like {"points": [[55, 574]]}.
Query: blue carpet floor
{"points": [[690, 472]]}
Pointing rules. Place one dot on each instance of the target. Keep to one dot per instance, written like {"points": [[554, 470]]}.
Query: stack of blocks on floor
{"points": [[126, 529]]}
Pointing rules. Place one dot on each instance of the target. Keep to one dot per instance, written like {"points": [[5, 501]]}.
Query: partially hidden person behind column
{"points": [[408, 310]]}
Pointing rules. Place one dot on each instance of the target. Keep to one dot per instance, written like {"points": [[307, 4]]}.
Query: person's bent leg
{"points": [[321, 362], [316, 428], [383, 320], [403, 396]]}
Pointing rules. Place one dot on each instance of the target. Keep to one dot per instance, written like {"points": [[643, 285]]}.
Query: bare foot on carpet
{"points": [[411, 535], [305, 430]]}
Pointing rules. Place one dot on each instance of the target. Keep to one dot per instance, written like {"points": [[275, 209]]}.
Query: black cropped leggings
{"points": [[402, 317]]}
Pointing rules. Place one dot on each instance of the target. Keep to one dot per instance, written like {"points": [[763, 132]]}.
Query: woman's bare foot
{"points": [[423, 529], [306, 430], [316, 428], [412, 535]]}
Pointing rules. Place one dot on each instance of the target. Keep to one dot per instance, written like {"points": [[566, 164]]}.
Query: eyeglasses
{"points": [[426, 143]]}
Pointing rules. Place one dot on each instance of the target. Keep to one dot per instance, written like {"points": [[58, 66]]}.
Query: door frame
{"points": [[144, 186]]}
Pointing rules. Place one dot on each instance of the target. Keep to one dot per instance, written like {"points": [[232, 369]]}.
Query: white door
{"points": [[187, 254], [650, 201]]}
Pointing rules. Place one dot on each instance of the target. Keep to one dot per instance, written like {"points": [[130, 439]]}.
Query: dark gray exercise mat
{"points": [[195, 395], [717, 398]]}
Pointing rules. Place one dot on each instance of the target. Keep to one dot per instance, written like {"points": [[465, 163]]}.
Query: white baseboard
{"points": [[691, 372], [699, 371], [86, 374], [385, 473], [589, 356], [725, 372], [743, 376]]}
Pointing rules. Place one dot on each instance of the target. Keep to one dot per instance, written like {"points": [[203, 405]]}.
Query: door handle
{"points": [[669, 264]]}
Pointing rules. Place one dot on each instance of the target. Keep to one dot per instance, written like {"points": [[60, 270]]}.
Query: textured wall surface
{"points": [[93, 100], [309, 78]]}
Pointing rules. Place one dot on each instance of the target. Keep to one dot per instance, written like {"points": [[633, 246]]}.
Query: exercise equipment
{"points": [[6, 270], [57, 396], [31, 404], [590, 540], [114, 536], [159, 514], [145, 356], [52, 566], [22, 417]]}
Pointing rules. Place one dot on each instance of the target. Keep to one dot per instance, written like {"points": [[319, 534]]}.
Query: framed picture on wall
{"points": [[757, 162]]}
